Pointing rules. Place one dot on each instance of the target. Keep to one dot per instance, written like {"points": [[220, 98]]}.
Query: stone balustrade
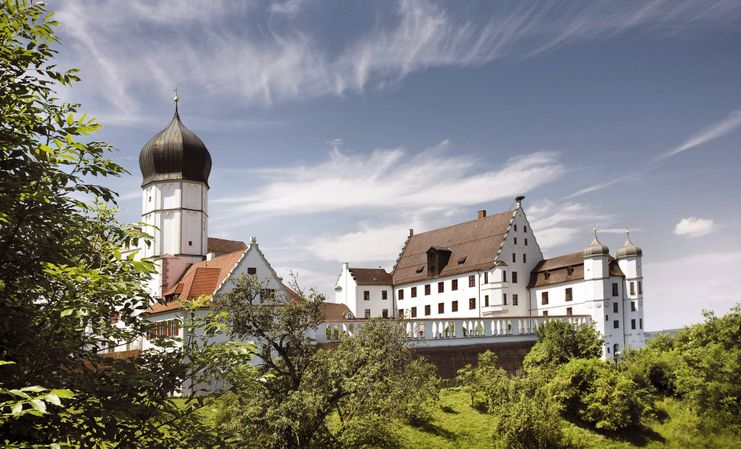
{"points": [[442, 330]]}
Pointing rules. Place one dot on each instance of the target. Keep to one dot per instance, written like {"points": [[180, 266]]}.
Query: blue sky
{"points": [[335, 126]]}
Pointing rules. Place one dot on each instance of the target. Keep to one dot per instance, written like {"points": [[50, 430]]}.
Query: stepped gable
{"points": [[566, 268], [221, 247], [371, 276], [474, 245]]}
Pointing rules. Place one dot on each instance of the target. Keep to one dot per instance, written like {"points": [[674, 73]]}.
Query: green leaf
{"points": [[67, 312], [64, 394], [16, 408], [38, 405]]}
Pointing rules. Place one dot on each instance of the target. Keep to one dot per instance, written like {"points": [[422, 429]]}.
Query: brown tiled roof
{"points": [[474, 246], [334, 312], [371, 276], [224, 246], [566, 268], [202, 278]]}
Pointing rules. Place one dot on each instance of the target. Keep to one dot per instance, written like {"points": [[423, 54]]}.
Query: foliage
{"points": [[529, 422], [559, 341], [368, 376], [594, 392], [486, 382], [65, 271]]}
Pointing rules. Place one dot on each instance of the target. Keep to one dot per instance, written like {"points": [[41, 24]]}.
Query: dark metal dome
{"points": [[175, 153], [629, 249], [596, 248]]}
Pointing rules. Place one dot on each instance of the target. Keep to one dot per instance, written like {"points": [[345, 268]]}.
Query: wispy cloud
{"points": [[387, 180], [715, 131], [558, 224], [694, 227], [226, 49]]}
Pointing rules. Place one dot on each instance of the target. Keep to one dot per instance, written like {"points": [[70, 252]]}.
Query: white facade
{"points": [[363, 300], [603, 293]]}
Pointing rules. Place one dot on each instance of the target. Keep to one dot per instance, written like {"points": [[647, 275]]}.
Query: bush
{"points": [[596, 393], [529, 423], [558, 342]]}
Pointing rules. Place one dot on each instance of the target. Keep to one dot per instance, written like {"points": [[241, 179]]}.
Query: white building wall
{"points": [[462, 295], [374, 304], [633, 301]]}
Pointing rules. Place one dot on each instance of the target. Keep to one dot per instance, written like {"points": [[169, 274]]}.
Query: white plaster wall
{"points": [[375, 303], [348, 293], [462, 295], [254, 258]]}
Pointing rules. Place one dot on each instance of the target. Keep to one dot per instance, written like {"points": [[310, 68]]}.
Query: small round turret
{"points": [[629, 249], [596, 248]]}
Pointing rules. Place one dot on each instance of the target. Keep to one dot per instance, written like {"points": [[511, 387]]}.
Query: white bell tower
{"points": [[175, 166]]}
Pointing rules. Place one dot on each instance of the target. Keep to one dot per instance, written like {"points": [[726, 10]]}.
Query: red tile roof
{"points": [[566, 268], [473, 244], [223, 246]]}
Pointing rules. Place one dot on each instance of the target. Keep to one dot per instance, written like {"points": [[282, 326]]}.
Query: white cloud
{"points": [[694, 227], [713, 132], [219, 49], [387, 180], [369, 244], [558, 224]]}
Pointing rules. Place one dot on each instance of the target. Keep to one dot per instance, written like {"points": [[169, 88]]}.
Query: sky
{"points": [[335, 126]]}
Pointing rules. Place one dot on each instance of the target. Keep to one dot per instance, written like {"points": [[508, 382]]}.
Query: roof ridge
{"points": [[465, 222]]}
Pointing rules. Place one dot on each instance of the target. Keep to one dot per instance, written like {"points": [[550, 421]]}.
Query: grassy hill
{"points": [[457, 425]]}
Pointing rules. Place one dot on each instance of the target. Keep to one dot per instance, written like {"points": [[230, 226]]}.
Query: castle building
{"points": [[493, 267]]}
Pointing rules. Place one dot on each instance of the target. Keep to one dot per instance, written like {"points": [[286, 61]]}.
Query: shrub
{"points": [[529, 423], [558, 342]]}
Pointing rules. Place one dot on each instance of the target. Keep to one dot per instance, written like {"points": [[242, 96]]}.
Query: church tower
{"points": [[175, 166]]}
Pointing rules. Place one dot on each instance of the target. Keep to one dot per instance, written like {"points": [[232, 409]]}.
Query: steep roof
{"points": [[334, 312], [371, 276], [224, 246], [474, 245], [566, 268]]}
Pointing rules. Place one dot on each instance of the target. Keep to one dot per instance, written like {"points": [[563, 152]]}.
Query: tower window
{"points": [[633, 324], [616, 324], [524, 229], [640, 287], [632, 288], [515, 240], [150, 198], [514, 299], [515, 227], [614, 307], [514, 257], [614, 289], [632, 306], [514, 277], [524, 258], [504, 299], [486, 301]]}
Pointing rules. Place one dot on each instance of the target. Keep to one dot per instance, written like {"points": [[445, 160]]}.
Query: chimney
{"points": [[210, 256], [411, 232], [518, 200], [481, 213]]}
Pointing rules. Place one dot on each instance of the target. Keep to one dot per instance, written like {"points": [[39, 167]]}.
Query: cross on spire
{"points": [[176, 99]]}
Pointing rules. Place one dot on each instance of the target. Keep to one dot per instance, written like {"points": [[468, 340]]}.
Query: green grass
{"points": [[456, 424]]}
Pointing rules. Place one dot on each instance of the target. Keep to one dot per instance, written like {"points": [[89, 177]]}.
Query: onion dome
{"points": [[629, 249], [596, 248], [175, 153]]}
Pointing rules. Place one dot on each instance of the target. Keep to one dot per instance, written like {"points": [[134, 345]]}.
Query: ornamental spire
{"points": [[176, 99]]}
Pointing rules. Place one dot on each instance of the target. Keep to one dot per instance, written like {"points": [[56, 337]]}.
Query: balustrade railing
{"points": [[451, 328]]}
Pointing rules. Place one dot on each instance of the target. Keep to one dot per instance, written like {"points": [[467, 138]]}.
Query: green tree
{"points": [[64, 272], [559, 341], [529, 422], [361, 381]]}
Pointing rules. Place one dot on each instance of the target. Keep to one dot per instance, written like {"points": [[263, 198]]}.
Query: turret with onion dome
{"points": [[596, 248], [629, 249], [175, 153]]}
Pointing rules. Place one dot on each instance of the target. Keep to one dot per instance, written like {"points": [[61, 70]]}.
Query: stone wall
{"points": [[449, 359]]}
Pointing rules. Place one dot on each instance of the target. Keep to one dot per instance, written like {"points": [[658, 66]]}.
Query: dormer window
{"points": [[437, 260], [461, 261], [569, 270], [420, 269]]}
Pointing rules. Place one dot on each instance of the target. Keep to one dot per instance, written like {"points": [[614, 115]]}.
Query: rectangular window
{"points": [[486, 277], [251, 270], [427, 289], [514, 299], [367, 313], [471, 303], [514, 277], [545, 313], [614, 307], [640, 287], [366, 295], [569, 294], [384, 294], [504, 275], [441, 307], [440, 287], [515, 240], [607, 318], [524, 258], [569, 311], [414, 292], [544, 298], [525, 242], [385, 313], [414, 312], [616, 324], [472, 281], [401, 293], [640, 322], [454, 306], [632, 306], [428, 310], [515, 228], [632, 288], [633, 324], [614, 289], [524, 229], [454, 284], [504, 299], [514, 257], [401, 313], [486, 300]]}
